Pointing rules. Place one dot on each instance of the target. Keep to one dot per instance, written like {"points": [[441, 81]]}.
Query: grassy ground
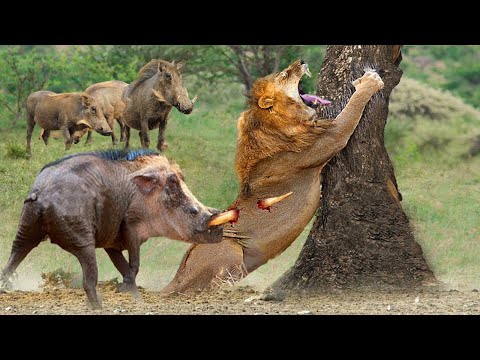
{"points": [[441, 189]]}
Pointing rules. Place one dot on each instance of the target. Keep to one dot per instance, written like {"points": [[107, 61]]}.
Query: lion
{"points": [[279, 118], [281, 152]]}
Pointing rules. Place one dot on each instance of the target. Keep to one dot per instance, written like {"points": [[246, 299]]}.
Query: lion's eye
{"points": [[284, 74]]}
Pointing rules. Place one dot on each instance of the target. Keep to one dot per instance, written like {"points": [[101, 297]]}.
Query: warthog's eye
{"points": [[168, 76], [94, 109]]}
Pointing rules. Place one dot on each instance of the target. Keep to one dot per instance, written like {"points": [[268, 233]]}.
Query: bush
{"points": [[15, 151], [429, 121]]}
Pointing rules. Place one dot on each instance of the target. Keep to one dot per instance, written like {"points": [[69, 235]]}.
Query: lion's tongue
{"points": [[315, 100]]}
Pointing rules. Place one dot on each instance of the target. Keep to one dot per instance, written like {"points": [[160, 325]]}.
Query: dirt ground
{"points": [[241, 300]]}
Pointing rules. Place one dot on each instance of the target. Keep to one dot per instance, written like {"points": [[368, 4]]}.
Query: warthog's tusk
{"points": [[265, 204], [194, 99], [226, 216], [158, 95]]}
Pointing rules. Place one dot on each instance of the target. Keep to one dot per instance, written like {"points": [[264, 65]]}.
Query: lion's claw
{"points": [[370, 80]]}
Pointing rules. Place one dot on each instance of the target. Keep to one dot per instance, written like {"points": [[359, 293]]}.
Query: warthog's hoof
{"points": [[163, 146], [131, 288], [94, 305], [126, 287], [6, 283]]}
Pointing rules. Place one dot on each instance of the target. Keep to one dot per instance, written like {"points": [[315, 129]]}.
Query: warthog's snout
{"points": [[105, 132], [208, 234], [184, 109]]}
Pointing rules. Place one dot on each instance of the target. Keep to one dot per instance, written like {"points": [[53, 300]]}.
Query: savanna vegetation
{"points": [[434, 120]]}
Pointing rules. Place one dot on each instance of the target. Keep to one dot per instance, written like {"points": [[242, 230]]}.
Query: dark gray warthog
{"points": [[69, 112], [114, 200], [109, 97], [150, 98]]}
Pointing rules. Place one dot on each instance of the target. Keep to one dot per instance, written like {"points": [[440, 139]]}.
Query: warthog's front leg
{"points": [[162, 144], [45, 136], [124, 268], [122, 128], [67, 137], [143, 134]]}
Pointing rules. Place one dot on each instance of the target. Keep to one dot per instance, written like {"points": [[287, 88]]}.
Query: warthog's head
{"points": [[169, 87], [288, 82], [167, 206], [92, 116], [80, 129]]}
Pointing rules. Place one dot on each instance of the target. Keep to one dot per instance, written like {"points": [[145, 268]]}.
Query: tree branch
{"points": [[242, 68], [278, 57]]}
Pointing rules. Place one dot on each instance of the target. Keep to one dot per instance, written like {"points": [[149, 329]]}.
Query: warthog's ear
{"points": [[158, 95], [86, 100], [266, 101], [147, 182], [83, 124], [180, 64], [160, 66]]}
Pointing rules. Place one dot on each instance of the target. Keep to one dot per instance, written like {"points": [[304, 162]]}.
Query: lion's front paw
{"points": [[370, 80]]}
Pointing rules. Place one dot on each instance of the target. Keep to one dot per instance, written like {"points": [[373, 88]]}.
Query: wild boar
{"points": [[68, 112], [109, 97], [150, 98], [114, 200]]}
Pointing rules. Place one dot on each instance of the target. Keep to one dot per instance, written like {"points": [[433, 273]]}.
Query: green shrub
{"points": [[429, 121], [15, 151]]}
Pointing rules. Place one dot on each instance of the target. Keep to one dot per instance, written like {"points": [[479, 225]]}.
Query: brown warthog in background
{"points": [[109, 97], [150, 98], [68, 112], [114, 200]]}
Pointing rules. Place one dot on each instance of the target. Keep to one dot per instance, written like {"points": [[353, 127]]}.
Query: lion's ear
{"points": [[266, 101]]}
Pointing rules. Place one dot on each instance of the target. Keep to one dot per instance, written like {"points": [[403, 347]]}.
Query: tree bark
{"points": [[361, 236]]}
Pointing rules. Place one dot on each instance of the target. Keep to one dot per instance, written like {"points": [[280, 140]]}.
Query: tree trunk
{"points": [[361, 236]]}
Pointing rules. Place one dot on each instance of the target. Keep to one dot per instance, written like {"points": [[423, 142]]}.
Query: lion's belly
{"points": [[269, 233]]}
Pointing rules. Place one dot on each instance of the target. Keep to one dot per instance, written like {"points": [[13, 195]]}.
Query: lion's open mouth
{"points": [[312, 101]]}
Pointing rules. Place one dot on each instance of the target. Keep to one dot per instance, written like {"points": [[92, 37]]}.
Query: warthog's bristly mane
{"points": [[114, 155], [128, 155], [146, 72]]}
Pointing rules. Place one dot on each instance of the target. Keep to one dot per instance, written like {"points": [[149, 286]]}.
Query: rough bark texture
{"points": [[361, 237]]}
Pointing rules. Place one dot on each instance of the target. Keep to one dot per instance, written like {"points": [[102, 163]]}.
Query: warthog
{"points": [[114, 200], [109, 97], [68, 112], [150, 98]]}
